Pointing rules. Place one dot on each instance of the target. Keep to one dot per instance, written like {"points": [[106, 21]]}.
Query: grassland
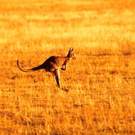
{"points": [[100, 82]]}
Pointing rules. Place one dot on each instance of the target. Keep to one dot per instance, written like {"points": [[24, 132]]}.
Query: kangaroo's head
{"points": [[68, 57], [70, 53]]}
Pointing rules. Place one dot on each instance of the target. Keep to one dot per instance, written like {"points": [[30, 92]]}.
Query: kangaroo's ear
{"points": [[71, 49]]}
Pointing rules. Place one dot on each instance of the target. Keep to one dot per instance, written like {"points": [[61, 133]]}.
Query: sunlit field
{"points": [[98, 88]]}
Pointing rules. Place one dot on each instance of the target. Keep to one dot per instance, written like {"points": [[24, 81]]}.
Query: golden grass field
{"points": [[100, 83]]}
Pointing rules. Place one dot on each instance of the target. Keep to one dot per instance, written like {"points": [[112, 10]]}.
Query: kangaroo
{"points": [[53, 65]]}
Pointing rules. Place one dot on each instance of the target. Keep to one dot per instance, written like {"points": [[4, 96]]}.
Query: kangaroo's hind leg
{"points": [[57, 77]]}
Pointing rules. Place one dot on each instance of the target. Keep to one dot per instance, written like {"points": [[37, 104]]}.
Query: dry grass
{"points": [[101, 81]]}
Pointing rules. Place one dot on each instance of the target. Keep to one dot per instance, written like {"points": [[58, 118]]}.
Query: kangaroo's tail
{"points": [[24, 70], [37, 68], [27, 70]]}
